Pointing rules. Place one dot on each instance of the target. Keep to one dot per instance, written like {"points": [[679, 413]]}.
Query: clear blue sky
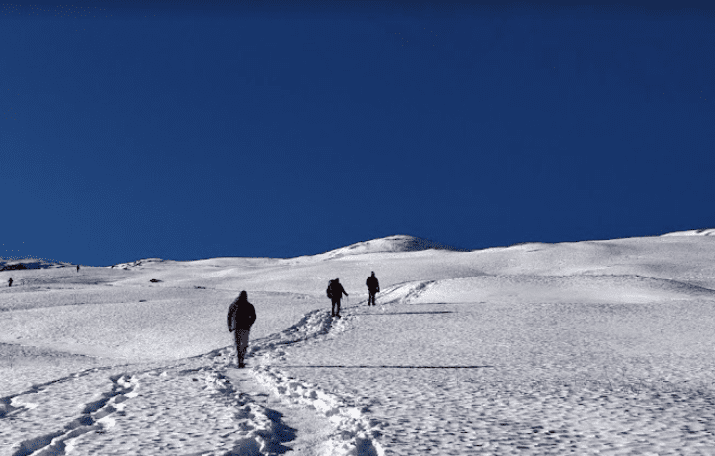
{"points": [[202, 129]]}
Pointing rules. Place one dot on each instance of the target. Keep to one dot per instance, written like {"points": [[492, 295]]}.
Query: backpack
{"points": [[329, 291]]}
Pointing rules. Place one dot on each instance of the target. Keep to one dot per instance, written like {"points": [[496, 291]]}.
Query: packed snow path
{"points": [[201, 405]]}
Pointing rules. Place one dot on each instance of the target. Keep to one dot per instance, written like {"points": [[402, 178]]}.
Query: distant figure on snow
{"points": [[373, 286], [241, 316], [335, 293], [9, 282], [77, 268]]}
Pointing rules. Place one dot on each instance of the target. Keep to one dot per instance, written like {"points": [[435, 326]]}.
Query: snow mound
{"points": [[700, 232], [392, 244], [137, 263], [399, 243]]}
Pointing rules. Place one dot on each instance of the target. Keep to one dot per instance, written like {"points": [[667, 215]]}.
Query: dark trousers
{"points": [[241, 337], [370, 297], [336, 302]]}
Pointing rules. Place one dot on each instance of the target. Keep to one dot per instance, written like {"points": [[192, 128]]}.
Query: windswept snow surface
{"points": [[602, 347]]}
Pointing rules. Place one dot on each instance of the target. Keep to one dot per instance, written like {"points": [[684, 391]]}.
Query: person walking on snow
{"points": [[373, 286], [241, 316], [335, 293], [77, 268], [9, 282]]}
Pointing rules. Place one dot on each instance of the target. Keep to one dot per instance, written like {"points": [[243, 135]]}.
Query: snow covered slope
{"points": [[586, 348], [700, 232], [397, 243]]}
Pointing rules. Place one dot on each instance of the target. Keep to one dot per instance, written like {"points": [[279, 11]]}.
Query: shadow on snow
{"points": [[410, 313], [340, 366]]}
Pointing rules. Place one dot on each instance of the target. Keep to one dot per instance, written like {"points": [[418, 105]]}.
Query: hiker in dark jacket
{"points": [[9, 282], [241, 316], [77, 268], [373, 286], [335, 292]]}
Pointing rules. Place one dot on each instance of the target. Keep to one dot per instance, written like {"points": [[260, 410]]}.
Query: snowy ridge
{"points": [[137, 263], [397, 243], [392, 244], [700, 232]]}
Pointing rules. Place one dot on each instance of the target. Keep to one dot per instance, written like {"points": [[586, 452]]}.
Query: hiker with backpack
{"points": [[373, 286], [335, 293], [9, 282], [241, 316]]}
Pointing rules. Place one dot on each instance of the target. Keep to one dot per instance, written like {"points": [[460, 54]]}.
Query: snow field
{"points": [[353, 434], [177, 405], [21, 366], [188, 408], [601, 347], [560, 375], [184, 411], [42, 419]]}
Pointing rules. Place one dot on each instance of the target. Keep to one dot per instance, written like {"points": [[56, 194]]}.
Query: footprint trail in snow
{"points": [[200, 405]]}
